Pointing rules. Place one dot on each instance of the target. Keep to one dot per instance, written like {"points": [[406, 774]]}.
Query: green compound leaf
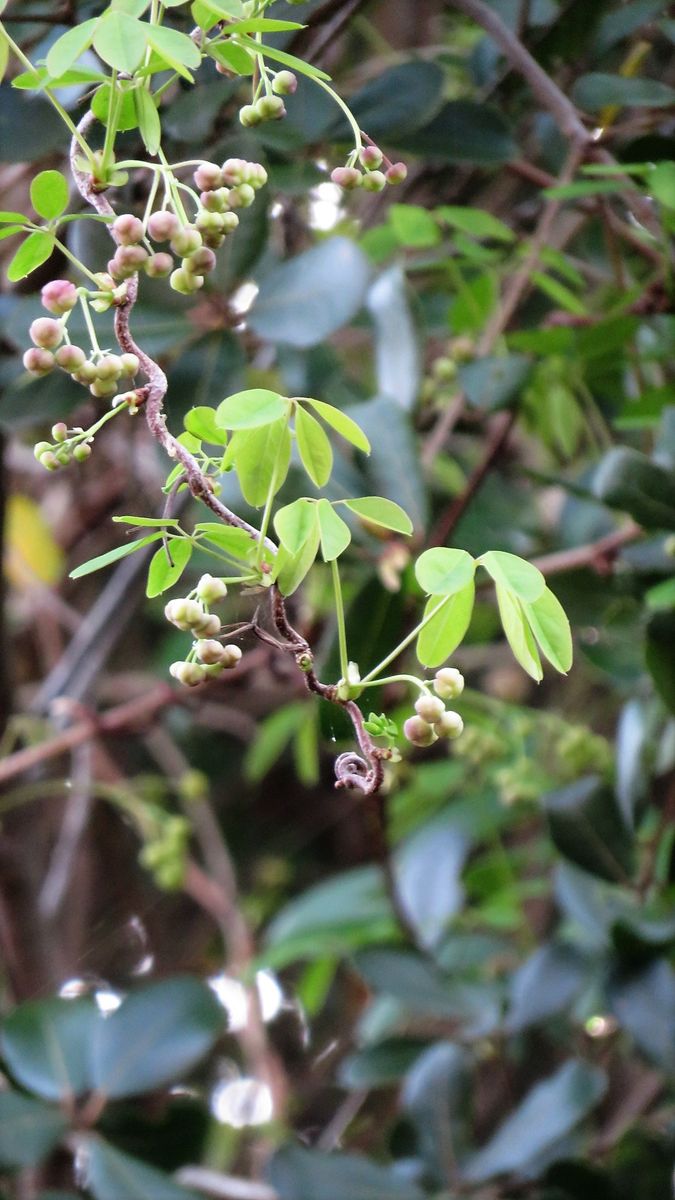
{"points": [[201, 423], [551, 628], [31, 254], [49, 194], [153, 522], [261, 455], [207, 13], [443, 571], [291, 569], [340, 422], [235, 542], [167, 566], [334, 533], [176, 48], [69, 47], [476, 222], [235, 58], [148, 120], [104, 560], [296, 523], [46, 1043], [444, 632], [518, 632], [249, 409], [288, 60], [378, 511], [314, 448], [28, 1130], [514, 573], [120, 40]]}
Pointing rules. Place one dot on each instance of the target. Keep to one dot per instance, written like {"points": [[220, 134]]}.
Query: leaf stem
{"points": [[358, 140], [340, 615], [406, 642], [90, 325], [76, 262]]}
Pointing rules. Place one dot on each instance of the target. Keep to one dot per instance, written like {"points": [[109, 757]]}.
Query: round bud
{"points": [[248, 116], [46, 333], [230, 656], [207, 627], [347, 178], [209, 651], [60, 431], [163, 225], [70, 358], [371, 157], [186, 241], [450, 725], [109, 366], [213, 240], [105, 281], [374, 181], [396, 173], [41, 448], [102, 388], [127, 260], [462, 348], [210, 589], [256, 175], [444, 369], [82, 452], [270, 108], [128, 230], [59, 296], [189, 674], [201, 262], [184, 282], [242, 196], [429, 708], [448, 683], [50, 461], [208, 222], [208, 177], [183, 613], [230, 222], [130, 364], [234, 170], [418, 732], [285, 83], [214, 202], [158, 266], [87, 373], [38, 361]]}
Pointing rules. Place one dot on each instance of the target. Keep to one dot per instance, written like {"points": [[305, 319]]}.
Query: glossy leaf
{"points": [[587, 828], [443, 571], [109, 1174], [46, 1045], [314, 447], [157, 1033], [28, 1130], [340, 422], [249, 409], [333, 532], [596, 90], [35, 250], [167, 565], [398, 364], [644, 1003], [49, 194], [628, 480], [377, 511], [544, 986], [299, 1174], [111, 556], [443, 633], [428, 870]]}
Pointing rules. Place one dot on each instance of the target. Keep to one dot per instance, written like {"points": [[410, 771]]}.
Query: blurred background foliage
{"points": [[525, 1044]]}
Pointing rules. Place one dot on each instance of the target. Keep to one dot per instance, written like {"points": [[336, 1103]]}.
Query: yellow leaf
{"points": [[31, 553]]}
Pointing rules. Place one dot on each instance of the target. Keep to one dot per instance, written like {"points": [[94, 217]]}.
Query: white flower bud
{"points": [[450, 725], [210, 589], [448, 683], [230, 657], [429, 708]]}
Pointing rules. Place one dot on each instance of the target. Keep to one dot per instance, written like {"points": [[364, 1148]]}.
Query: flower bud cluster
{"points": [[432, 720], [209, 656], [270, 106], [377, 171], [164, 854]]}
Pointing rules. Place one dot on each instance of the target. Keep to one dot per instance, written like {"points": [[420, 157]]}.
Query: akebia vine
{"points": [[188, 214]]}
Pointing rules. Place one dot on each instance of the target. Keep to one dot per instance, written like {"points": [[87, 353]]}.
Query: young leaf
{"points": [[235, 542], [259, 455], [247, 410], [153, 522], [103, 560], [176, 48], [289, 60], [7, 217], [10, 230], [167, 565], [235, 58], [518, 632], [549, 624], [120, 40], [31, 254], [264, 25], [207, 13], [69, 47], [514, 573], [442, 571], [444, 632], [295, 524], [148, 120], [201, 422], [314, 448], [476, 222], [334, 533], [49, 194], [340, 422], [378, 511], [291, 569]]}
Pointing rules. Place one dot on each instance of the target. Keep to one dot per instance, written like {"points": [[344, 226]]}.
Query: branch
{"points": [[598, 555], [549, 95]]}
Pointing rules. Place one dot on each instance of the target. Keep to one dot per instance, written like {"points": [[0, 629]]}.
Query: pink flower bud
{"points": [[128, 229], [374, 181], [396, 173], [186, 241], [371, 157], [158, 266], [184, 282], [448, 683], [201, 262], [38, 361], [418, 732], [208, 177], [429, 708], [59, 296], [46, 333], [347, 177], [71, 358], [162, 226]]}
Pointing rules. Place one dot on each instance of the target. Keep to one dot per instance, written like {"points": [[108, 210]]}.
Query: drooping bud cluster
{"points": [[432, 720], [270, 106], [208, 656], [377, 171]]}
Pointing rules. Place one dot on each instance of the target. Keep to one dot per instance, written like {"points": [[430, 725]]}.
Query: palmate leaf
{"points": [[314, 448], [70, 46], [378, 511], [120, 40], [334, 533], [167, 565], [443, 571], [104, 560], [549, 624], [340, 422], [514, 574], [441, 636], [518, 632], [261, 455], [32, 253], [295, 523], [250, 409]]}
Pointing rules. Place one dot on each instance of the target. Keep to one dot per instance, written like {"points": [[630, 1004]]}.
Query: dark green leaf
{"points": [[399, 101], [494, 382], [644, 1003], [428, 870], [393, 440], [436, 1097], [627, 480], [299, 1174], [544, 986], [397, 353], [111, 1175], [587, 827], [46, 1045], [28, 1130], [379, 1066], [464, 131], [598, 90]]}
